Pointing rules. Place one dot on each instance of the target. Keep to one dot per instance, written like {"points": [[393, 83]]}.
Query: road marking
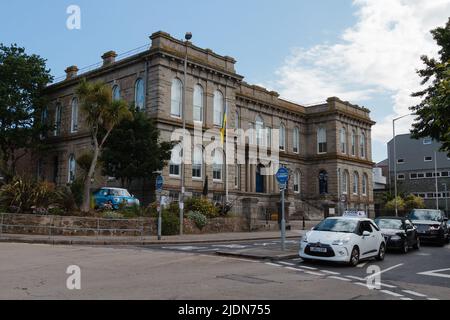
{"points": [[185, 248], [309, 268], [294, 269], [387, 285], [206, 250], [287, 263], [394, 294], [383, 271], [406, 299], [298, 259], [272, 264], [356, 278], [436, 273], [231, 246], [339, 278], [433, 299], [330, 272], [362, 265], [414, 293], [315, 273]]}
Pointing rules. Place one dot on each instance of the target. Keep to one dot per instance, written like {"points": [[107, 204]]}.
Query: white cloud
{"points": [[379, 55]]}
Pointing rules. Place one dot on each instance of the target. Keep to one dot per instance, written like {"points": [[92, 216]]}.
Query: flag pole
{"points": [[225, 141]]}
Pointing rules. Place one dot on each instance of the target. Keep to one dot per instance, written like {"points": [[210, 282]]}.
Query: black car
{"points": [[431, 225], [399, 233]]}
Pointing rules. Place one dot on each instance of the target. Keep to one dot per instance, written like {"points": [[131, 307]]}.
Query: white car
{"points": [[343, 239]]}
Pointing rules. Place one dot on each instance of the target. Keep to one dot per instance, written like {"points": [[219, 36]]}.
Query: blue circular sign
{"points": [[159, 182], [282, 176]]}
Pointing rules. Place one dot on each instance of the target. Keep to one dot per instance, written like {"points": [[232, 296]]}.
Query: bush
{"points": [[414, 202], [199, 219], [400, 204], [170, 223], [112, 215], [203, 206]]}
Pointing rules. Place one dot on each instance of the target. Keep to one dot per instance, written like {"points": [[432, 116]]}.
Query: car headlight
{"points": [[435, 227], [340, 242], [116, 200]]}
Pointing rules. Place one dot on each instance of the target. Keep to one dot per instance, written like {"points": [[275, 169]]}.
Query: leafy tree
{"points": [[102, 115], [23, 79], [133, 150], [400, 204], [414, 202], [433, 113]]}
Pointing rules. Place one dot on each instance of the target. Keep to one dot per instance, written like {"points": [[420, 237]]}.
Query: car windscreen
{"points": [[425, 215], [389, 224], [119, 193], [337, 225]]}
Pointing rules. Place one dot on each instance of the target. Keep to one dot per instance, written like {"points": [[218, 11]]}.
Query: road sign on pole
{"points": [[282, 178]]}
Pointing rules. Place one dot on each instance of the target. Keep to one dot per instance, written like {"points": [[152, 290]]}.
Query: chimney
{"points": [[109, 58], [71, 72]]}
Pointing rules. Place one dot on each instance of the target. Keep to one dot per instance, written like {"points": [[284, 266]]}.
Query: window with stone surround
{"points": [[175, 161], [197, 163], [321, 140], [218, 108], [282, 137], [345, 179], [343, 137], [198, 103], [364, 184], [74, 122], [353, 143], [363, 145], [58, 118], [176, 98], [217, 165], [72, 168], [296, 140], [139, 94], [355, 183], [116, 93], [297, 181]]}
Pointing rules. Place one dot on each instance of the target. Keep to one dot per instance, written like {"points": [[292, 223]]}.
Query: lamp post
{"points": [[395, 160], [188, 37]]}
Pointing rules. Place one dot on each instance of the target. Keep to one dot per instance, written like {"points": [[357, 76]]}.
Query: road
{"points": [[191, 272]]}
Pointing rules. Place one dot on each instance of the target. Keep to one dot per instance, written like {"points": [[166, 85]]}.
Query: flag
{"points": [[224, 125]]}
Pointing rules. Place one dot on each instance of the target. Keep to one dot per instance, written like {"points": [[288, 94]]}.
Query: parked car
{"points": [[114, 197], [399, 233], [343, 239], [431, 225]]}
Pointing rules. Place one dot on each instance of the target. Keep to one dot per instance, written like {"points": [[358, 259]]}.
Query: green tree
{"points": [[23, 78], [400, 204], [433, 113], [414, 202], [102, 115], [133, 150]]}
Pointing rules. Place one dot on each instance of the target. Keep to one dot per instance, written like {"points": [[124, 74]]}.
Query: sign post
{"points": [[159, 185], [282, 178]]}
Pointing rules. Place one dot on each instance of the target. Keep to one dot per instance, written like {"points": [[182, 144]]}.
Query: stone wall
{"points": [[80, 226]]}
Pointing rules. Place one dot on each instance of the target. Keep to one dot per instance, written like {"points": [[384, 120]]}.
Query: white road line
{"points": [[287, 263], [339, 278], [309, 268], [330, 272], [433, 299], [273, 264], [387, 285], [436, 273], [314, 273], [356, 278], [362, 265], [394, 294], [298, 259], [414, 293], [383, 271], [294, 269], [406, 299]]}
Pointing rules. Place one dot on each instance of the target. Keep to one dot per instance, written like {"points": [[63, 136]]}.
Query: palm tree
{"points": [[102, 114]]}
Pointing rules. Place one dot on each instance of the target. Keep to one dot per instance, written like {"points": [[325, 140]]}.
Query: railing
{"points": [[53, 230]]}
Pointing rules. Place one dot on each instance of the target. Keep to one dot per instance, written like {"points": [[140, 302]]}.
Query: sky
{"points": [[363, 51]]}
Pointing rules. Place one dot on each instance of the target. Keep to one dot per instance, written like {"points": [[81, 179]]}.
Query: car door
{"points": [[411, 233], [370, 243]]}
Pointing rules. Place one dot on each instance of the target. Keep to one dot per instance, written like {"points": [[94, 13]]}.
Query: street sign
{"points": [[159, 183], [282, 176]]}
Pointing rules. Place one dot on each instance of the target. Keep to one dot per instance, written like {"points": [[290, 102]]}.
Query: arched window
{"points": [[218, 108], [116, 93], [321, 140], [345, 179], [175, 161], [343, 141], [297, 181], [198, 103], [197, 163], [363, 145], [296, 139], [282, 137], [58, 117], [323, 182], [355, 183], [72, 168], [74, 122], [217, 165], [260, 134], [364, 184], [353, 143], [139, 94], [176, 98]]}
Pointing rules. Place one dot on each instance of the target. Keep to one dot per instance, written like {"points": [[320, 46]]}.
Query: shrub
{"points": [[199, 219], [66, 201], [414, 202], [203, 206], [112, 215], [400, 204], [170, 223]]}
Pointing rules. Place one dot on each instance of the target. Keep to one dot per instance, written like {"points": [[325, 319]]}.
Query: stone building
{"points": [[326, 147]]}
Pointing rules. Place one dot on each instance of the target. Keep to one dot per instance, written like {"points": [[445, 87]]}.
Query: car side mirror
{"points": [[366, 234]]}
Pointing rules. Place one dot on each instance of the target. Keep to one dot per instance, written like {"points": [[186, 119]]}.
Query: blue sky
{"points": [[306, 50]]}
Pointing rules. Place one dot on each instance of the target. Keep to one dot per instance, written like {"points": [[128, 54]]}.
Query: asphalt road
{"points": [[420, 275]]}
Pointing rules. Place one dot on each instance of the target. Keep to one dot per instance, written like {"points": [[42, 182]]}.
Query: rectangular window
{"points": [[401, 177], [427, 141], [197, 171], [413, 176], [421, 175], [174, 170], [217, 172], [400, 161], [444, 174], [218, 197], [429, 174], [428, 159]]}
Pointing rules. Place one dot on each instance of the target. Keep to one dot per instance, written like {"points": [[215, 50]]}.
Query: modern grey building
{"points": [[421, 169]]}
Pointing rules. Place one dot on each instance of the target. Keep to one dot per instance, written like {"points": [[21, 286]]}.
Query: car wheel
{"points": [[405, 247], [381, 252], [417, 245], [354, 257]]}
